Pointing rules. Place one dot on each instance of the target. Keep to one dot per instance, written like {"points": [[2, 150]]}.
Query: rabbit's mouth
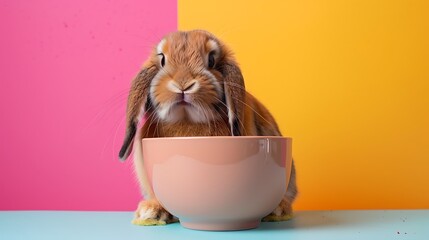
{"points": [[183, 110], [184, 103]]}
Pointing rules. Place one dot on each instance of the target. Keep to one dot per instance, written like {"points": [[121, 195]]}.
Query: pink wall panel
{"points": [[65, 69]]}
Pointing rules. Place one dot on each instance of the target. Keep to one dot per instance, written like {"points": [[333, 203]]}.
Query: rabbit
{"points": [[191, 85]]}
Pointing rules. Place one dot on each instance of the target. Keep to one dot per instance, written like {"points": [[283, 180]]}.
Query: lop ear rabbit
{"points": [[191, 85]]}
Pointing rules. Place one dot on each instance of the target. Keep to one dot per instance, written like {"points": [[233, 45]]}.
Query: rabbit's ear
{"points": [[235, 94], [137, 106]]}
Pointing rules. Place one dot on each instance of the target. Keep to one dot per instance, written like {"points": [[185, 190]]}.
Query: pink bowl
{"points": [[218, 183]]}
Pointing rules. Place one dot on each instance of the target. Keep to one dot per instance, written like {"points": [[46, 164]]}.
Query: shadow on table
{"points": [[321, 219]]}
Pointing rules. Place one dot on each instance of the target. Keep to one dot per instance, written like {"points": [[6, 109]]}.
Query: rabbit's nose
{"points": [[191, 87]]}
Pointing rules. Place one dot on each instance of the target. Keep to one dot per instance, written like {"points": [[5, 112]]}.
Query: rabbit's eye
{"points": [[211, 59], [162, 59]]}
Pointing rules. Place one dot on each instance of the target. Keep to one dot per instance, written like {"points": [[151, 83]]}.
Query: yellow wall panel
{"points": [[348, 80]]}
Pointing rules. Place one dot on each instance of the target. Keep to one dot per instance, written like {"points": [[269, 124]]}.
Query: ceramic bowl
{"points": [[218, 183]]}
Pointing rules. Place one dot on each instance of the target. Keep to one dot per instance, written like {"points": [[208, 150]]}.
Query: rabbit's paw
{"points": [[283, 212], [151, 213]]}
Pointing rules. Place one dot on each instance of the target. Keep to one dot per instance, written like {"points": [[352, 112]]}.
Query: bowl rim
{"points": [[217, 137]]}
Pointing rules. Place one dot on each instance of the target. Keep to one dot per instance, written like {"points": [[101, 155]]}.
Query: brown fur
{"points": [[227, 111]]}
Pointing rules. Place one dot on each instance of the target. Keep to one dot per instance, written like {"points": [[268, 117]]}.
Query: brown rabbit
{"points": [[191, 85]]}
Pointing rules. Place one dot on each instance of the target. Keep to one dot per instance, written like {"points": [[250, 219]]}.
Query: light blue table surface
{"points": [[368, 225]]}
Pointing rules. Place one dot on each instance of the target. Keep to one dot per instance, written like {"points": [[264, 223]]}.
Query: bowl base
{"points": [[221, 226]]}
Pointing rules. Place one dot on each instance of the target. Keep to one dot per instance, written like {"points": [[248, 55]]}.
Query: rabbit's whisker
{"points": [[270, 123], [206, 116], [239, 121]]}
